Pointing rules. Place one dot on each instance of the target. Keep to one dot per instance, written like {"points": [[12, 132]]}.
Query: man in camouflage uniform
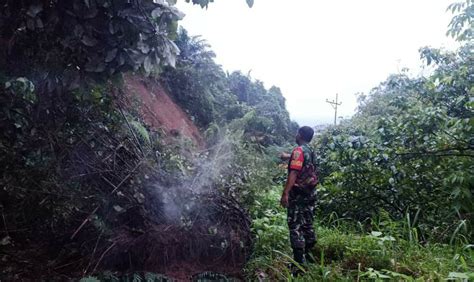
{"points": [[300, 199]]}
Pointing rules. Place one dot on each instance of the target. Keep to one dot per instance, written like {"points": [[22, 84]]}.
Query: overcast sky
{"points": [[313, 49]]}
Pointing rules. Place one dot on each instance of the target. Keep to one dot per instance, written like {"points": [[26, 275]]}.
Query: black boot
{"points": [[308, 255], [298, 256]]}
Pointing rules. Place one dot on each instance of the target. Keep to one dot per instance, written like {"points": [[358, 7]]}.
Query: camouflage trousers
{"points": [[300, 217]]}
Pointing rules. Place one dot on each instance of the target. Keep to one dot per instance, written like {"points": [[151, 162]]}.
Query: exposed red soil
{"points": [[158, 110]]}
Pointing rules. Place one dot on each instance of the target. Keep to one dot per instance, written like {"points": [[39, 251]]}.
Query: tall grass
{"points": [[375, 249]]}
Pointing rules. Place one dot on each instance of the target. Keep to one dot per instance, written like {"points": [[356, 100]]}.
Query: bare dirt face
{"points": [[158, 110]]}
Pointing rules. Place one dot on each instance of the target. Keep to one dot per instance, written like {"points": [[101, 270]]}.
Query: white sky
{"points": [[313, 49]]}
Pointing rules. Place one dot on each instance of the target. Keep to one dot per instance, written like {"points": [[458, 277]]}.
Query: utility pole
{"points": [[334, 104]]}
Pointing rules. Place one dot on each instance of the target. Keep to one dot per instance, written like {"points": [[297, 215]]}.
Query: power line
{"points": [[334, 104]]}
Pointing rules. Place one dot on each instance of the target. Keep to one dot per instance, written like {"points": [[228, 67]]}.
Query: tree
{"points": [[59, 43], [462, 24], [409, 149], [198, 84], [213, 97]]}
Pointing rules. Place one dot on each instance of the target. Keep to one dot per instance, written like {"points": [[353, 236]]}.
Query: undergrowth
{"points": [[377, 250]]}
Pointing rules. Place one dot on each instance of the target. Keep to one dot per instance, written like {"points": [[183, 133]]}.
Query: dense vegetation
{"points": [[214, 98], [85, 184], [409, 150]]}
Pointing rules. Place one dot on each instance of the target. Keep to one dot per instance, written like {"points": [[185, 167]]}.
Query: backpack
{"points": [[308, 176]]}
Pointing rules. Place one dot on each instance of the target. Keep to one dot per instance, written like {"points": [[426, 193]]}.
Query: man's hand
{"points": [[284, 200], [285, 156]]}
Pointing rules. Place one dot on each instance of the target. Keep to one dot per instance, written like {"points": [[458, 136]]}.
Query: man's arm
{"points": [[290, 182], [296, 164], [285, 156]]}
